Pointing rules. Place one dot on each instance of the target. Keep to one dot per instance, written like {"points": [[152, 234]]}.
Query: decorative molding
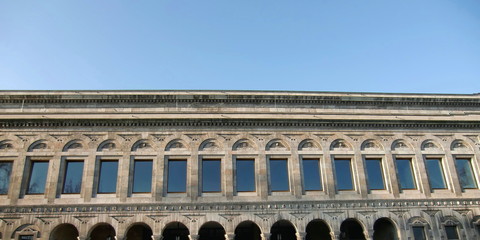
{"points": [[121, 218], [265, 216], [84, 219], [9, 220], [194, 217], [157, 218], [230, 216], [48, 219], [300, 215]]}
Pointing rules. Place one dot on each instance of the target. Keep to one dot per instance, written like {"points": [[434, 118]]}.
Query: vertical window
{"points": [[374, 174], [465, 173], [343, 174], [5, 172], [311, 175], [279, 175], [405, 174], [72, 182], [211, 175], [107, 182], [245, 175], [451, 232], [177, 176], [418, 233], [435, 173], [142, 176], [38, 177]]}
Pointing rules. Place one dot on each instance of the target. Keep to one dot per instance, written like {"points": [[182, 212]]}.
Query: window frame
{"points": [[279, 158], [352, 173], [167, 174], [131, 181], [64, 174], [202, 178], [9, 180], [30, 162], [244, 158], [381, 161], [471, 163], [320, 175], [443, 172], [412, 171], [99, 175]]}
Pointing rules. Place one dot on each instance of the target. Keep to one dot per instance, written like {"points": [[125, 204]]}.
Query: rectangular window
{"points": [[177, 176], [311, 175], [107, 182], [25, 237], [418, 233], [343, 174], [211, 175], [72, 182], [5, 172], [435, 173], [465, 173], [38, 177], [405, 174], [279, 175], [451, 232], [245, 175], [142, 176], [374, 174]]}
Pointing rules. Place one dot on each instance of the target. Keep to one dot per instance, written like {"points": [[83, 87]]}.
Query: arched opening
{"points": [[384, 230], [283, 230], [247, 231], [64, 232], [175, 231], [351, 230], [139, 232], [103, 231], [211, 231], [318, 230]]}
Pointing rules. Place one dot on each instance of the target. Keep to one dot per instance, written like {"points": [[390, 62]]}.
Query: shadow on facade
{"points": [[64, 232], [247, 230], [175, 231], [211, 231], [103, 231], [139, 231], [283, 230], [351, 230], [318, 230], [384, 230]]}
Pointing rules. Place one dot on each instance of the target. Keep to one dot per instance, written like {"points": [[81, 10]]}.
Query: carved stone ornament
{"points": [[209, 145], [307, 145], [429, 145], [340, 145], [459, 145], [242, 145], [276, 145], [4, 145], [400, 145], [175, 145], [38, 145], [108, 145], [141, 145]]}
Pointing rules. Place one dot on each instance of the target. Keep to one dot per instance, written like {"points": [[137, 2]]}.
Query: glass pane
{"points": [[451, 232], [279, 175], [142, 177], [465, 173], [374, 174], [405, 174], [72, 182], [108, 177], [211, 180], [177, 176], [38, 178], [418, 233], [5, 171], [25, 237], [245, 175], [311, 175], [343, 174], [435, 173]]}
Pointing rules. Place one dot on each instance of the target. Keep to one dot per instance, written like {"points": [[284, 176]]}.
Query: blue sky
{"points": [[427, 46]]}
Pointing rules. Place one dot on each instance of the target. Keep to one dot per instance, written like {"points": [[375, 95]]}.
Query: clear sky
{"points": [[416, 46]]}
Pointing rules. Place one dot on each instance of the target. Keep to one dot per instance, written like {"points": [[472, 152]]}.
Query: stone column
{"points": [[158, 176], [124, 163], [52, 182], [17, 183], [421, 171], [262, 175], [329, 176], [227, 176], [301, 235], [157, 237], [391, 175], [452, 175], [359, 173], [230, 236], [294, 168], [89, 176], [193, 175], [193, 237], [265, 236]]}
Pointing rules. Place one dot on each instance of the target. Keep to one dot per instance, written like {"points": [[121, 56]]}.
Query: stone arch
{"points": [[27, 230], [340, 144], [102, 231], [352, 229], [430, 145], [139, 231], [420, 224], [38, 145], [210, 144], [460, 145], [283, 230], [142, 144], [6, 145], [176, 144], [309, 145], [385, 228], [318, 229], [248, 230], [107, 145], [73, 145], [371, 144], [400, 144], [172, 230], [211, 231], [65, 231], [244, 144], [277, 144]]}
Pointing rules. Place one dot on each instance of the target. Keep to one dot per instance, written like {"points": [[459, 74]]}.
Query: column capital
{"points": [[230, 236], [301, 235], [265, 236], [193, 237]]}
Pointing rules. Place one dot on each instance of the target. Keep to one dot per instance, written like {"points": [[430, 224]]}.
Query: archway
{"points": [[103, 231], [351, 230], [175, 231], [139, 231], [64, 232], [318, 230], [283, 230], [211, 231], [384, 230], [247, 231]]}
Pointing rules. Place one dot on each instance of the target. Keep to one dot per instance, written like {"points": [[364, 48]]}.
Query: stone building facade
{"points": [[239, 165]]}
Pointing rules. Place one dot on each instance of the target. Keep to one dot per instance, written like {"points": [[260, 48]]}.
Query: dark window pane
{"points": [[5, 171], [451, 232], [72, 182], [245, 175], [311, 175], [211, 180], [279, 175], [343, 174], [465, 173], [418, 233], [177, 176], [142, 176], [38, 178], [25, 237], [374, 174], [405, 174], [107, 182], [435, 173]]}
